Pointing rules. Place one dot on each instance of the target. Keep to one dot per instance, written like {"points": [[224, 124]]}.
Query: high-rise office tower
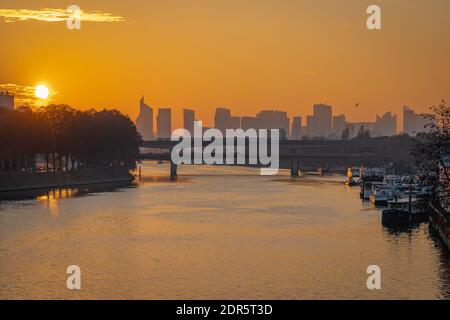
{"points": [[386, 125], [249, 123], [188, 120], [323, 119], [409, 120], [274, 119], [7, 100], [164, 122], [339, 123], [234, 123], [310, 126], [222, 119], [144, 122], [414, 123], [296, 133]]}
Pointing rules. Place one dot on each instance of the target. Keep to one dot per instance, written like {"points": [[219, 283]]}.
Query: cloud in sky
{"points": [[55, 15], [25, 95]]}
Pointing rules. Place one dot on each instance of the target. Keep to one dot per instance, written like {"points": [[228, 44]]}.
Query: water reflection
{"points": [[403, 229], [444, 265], [62, 193], [50, 199], [149, 180], [58, 194], [215, 233]]}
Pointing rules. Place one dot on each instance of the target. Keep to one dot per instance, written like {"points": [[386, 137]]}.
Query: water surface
{"points": [[216, 233]]}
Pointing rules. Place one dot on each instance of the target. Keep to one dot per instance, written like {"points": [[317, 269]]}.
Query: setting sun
{"points": [[41, 92]]}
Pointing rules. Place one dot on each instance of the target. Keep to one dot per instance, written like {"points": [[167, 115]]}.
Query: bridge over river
{"points": [[294, 154]]}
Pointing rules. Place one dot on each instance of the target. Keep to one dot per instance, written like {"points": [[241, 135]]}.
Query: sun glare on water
{"points": [[41, 92]]}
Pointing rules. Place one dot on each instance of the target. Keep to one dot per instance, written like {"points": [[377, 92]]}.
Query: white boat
{"points": [[353, 177], [368, 187], [369, 177], [382, 193]]}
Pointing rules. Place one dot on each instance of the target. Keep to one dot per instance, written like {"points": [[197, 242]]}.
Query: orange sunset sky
{"points": [[243, 54]]}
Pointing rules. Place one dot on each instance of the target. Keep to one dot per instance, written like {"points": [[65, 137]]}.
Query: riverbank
{"points": [[440, 222], [20, 181]]}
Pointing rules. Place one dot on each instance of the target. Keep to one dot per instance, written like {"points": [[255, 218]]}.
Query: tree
{"points": [[432, 150], [363, 134], [70, 137], [345, 134]]}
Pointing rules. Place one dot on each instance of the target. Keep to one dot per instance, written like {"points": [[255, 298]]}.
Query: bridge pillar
{"points": [[295, 164], [173, 171]]}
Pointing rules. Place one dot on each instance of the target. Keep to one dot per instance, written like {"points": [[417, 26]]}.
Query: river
{"points": [[215, 233]]}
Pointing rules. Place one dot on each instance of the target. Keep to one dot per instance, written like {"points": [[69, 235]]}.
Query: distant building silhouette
{"points": [[249, 123], [414, 123], [296, 132], [323, 120], [274, 119], [235, 123], [164, 121], [188, 120], [266, 119], [386, 125], [222, 119], [144, 122], [7, 100], [321, 125], [355, 128], [339, 124], [310, 126]]}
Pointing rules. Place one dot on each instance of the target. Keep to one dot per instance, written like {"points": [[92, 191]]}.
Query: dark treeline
{"points": [[66, 139], [432, 150]]}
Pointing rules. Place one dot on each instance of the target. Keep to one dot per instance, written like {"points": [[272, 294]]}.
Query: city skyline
{"points": [[233, 158], [323, 123], [247, 56]]}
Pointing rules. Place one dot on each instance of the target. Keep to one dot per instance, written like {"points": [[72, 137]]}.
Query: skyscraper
{"points": [[222, 119], [386, 125], [409, 120], [296, 133], [188, 120], [144, 122], [7, 100], [323, 119], [339, 123], [249, 123], [164, 123], [234, 123], [274, 119], [310, 126], [414, 123]]}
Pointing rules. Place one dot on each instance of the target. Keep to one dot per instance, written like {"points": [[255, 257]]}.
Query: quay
{"points": [[440, 222]]}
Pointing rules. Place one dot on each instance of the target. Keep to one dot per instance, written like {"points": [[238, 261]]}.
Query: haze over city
{"points": [[243, 56]]}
